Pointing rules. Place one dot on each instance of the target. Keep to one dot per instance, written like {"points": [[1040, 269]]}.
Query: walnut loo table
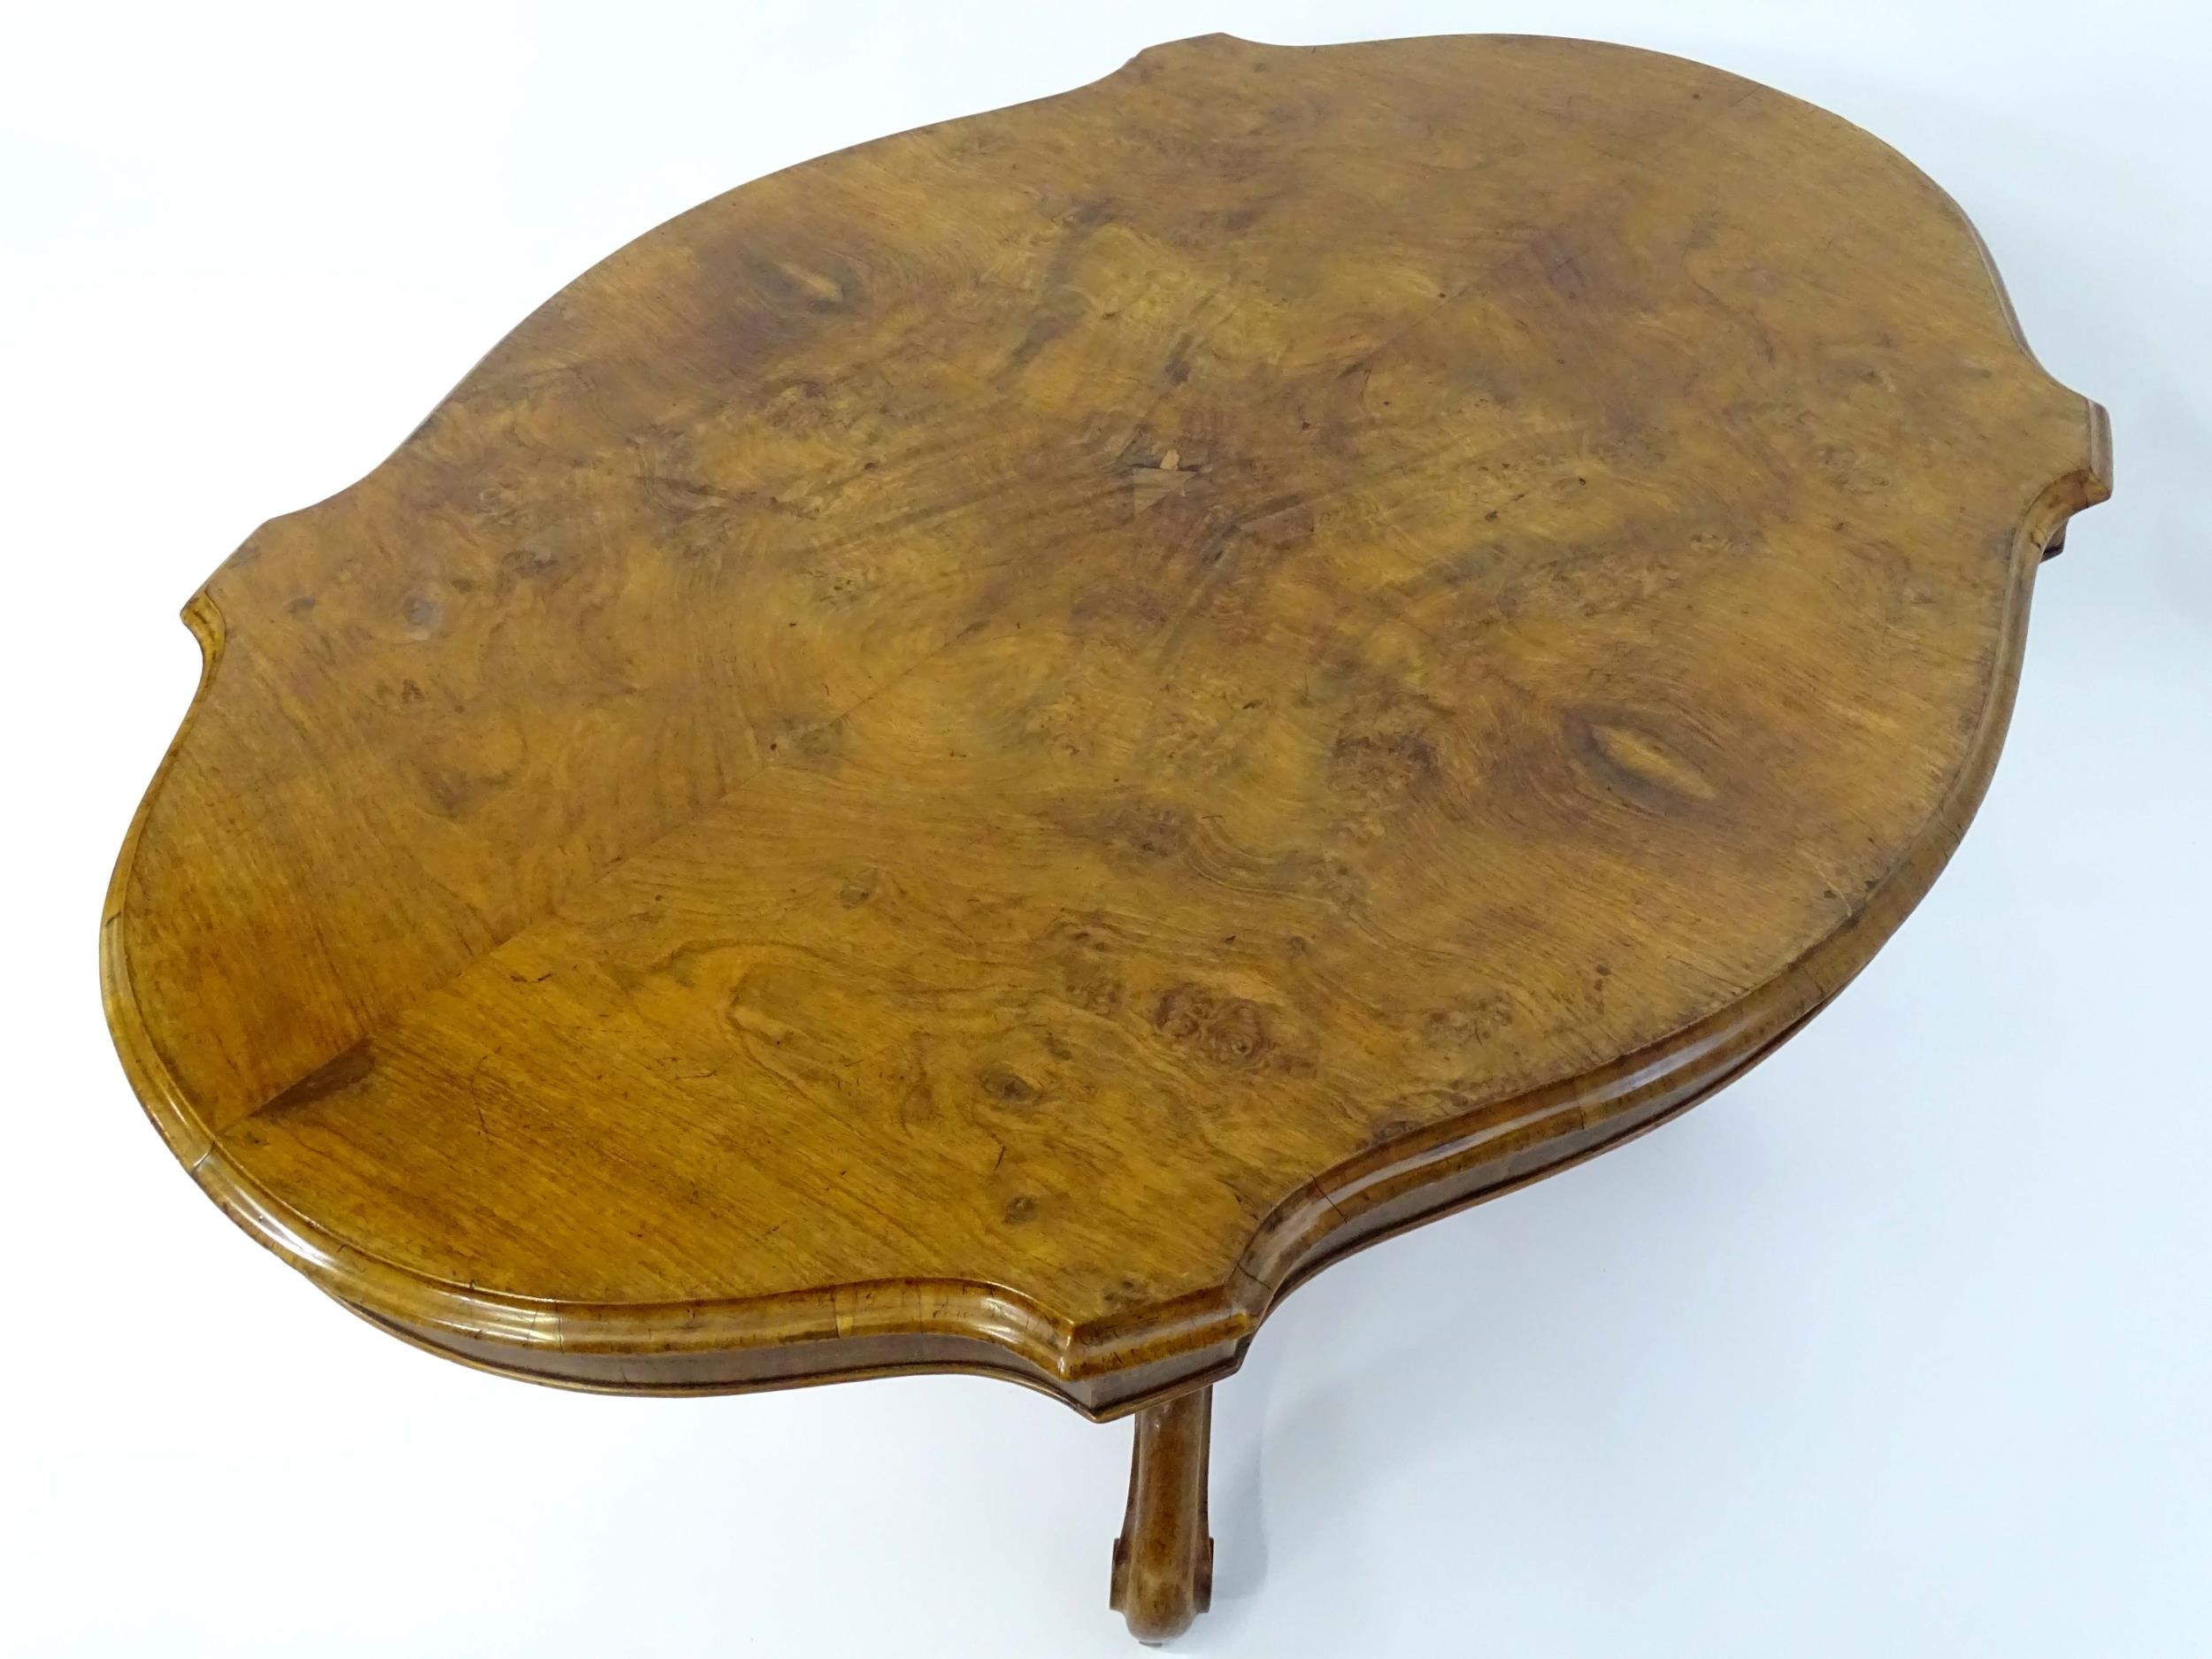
{"points": [[979, 755]]}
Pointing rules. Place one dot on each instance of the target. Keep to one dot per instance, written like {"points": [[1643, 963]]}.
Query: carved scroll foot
{"points": [[1163, 1560]]}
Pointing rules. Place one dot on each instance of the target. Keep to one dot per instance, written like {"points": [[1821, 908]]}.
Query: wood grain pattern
{"points": [[979, 754]]}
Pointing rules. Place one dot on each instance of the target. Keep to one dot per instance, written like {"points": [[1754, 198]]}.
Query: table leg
{"points": [[1163, 1560]]}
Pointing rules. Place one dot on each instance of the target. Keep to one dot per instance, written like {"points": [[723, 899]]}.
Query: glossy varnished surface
{"points": [[980, 752]]}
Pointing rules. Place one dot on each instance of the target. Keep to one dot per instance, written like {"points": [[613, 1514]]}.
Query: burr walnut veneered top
{"points": [[977, 753]]}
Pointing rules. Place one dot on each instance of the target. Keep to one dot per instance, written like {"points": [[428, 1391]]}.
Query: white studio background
{"points": [[1900, 1347]]}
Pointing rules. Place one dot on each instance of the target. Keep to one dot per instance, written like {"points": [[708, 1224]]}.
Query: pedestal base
{"points": [[1163, 1560]]}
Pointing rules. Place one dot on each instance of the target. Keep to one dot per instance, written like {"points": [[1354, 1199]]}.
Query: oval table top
{"points": [[980, 753]]}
